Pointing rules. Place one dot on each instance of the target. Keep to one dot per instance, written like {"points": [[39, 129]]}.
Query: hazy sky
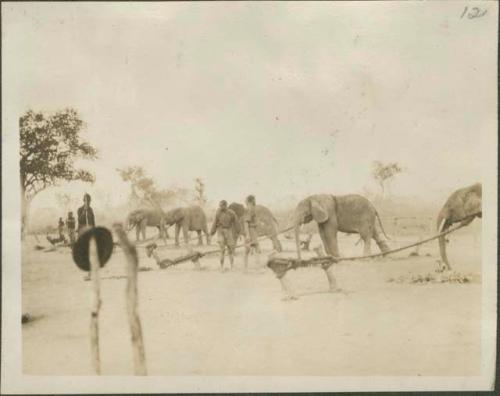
{"points": [[265, 98]]}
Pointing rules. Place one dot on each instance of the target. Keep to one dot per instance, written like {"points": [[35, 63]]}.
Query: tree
{"points": [[142, 187], [199, 187], [50, 144], [384, 173], [143, 190]]}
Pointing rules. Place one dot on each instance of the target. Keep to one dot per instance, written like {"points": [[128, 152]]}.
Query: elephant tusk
{"points": [[441, 225]]}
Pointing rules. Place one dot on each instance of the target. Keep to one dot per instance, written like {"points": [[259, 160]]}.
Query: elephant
{"points": [[190, 218], [146, 217], [267, 223], [463, 206], [351, 214]]}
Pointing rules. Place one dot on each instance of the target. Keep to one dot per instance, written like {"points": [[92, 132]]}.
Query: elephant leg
{"points": [[143, 228], [381, 243], [276, 243], [185, 234], [329, 239], [177, 232], [137, 231], [200, 240], [162, 231], [287, 288], [332, 282], [279, 248], [442, 246], [367, 245]]}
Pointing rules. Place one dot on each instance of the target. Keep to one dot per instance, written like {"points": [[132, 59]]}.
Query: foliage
{"points": [[385, 173], [49, 146], [143, 190]]}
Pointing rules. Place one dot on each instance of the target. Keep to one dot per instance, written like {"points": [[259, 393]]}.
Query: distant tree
{"points": [[141, 186], [199, 188], [50, 144], [144, 192], [384, 174]]}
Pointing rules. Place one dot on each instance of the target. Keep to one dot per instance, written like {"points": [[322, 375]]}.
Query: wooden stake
{"points": [[131, 296], [96, 305]]}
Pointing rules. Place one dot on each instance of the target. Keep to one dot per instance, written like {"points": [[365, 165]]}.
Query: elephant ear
{"points": [[319, 213]]}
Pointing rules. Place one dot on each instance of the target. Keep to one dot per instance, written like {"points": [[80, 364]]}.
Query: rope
{"points": [[421, 242], [352, 258]]}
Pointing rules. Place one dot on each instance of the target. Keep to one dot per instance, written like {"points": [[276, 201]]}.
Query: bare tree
{"points": [[50, 143], [199, 188], [384, 174]]}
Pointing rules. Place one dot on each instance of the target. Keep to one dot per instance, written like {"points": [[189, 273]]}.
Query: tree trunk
{"points": [[25, 209]]}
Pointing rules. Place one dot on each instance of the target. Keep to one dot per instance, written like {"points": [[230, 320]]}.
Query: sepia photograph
{"points": [[218, 196]]}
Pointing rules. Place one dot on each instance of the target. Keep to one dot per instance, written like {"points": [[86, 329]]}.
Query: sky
{"points": [[275, 99]]}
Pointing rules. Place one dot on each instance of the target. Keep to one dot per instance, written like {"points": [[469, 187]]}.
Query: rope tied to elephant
{"points": [[281, 265]]}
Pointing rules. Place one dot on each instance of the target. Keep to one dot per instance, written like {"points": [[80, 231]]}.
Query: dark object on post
{"points": [[104, 242]]}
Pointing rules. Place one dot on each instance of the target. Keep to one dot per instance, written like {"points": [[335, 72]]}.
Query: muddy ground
{"points": [[236, 323]]}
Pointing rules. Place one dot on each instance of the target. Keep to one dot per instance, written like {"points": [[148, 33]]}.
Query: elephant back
{"points": [[267, 223], [197, 218], [154, 217], [237, 208]]}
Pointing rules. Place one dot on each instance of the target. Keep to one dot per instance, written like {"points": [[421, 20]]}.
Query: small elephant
{"points": [[267, 223], [191, 218], [140, 219], [463, 206], [352, 214]]}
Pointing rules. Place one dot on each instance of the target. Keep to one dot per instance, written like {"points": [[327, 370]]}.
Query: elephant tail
{"points": [[381, 226]]}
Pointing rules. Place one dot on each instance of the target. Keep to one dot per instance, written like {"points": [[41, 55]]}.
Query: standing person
{"points": [[85, 213], [226, 225], [60, 229], [70, 224], [250, 224]]}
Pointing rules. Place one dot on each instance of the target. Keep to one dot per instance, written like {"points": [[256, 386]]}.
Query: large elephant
{"points": [[267, 225], [190, 218], [352, 214], [463, 206], [140, 219]]}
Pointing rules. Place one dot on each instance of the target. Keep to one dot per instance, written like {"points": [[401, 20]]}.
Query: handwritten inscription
{"points": [[474, 12]]}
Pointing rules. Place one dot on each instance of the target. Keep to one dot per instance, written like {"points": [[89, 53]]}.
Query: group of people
{"points": [[227, 227], [85, 217]]}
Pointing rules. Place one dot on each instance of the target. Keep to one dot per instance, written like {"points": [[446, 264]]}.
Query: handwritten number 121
{"points": [[474, 13]]}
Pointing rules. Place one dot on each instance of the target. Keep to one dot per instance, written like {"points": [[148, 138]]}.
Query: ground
{"points": [[236, 323]]}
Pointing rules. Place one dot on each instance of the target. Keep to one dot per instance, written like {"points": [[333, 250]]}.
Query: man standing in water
{"points": [[226, 225], [86, 217], [250, 224]]}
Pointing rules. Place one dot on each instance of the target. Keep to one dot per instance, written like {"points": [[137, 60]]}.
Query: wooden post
{"points": [[131, 296], [96, 305]]}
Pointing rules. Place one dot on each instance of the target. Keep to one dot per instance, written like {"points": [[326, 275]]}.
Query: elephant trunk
{"points": [[128, 223], [443, 224], [297, 239]]}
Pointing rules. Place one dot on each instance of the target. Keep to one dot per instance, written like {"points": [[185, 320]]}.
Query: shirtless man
{"points": [[226, 226]]}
